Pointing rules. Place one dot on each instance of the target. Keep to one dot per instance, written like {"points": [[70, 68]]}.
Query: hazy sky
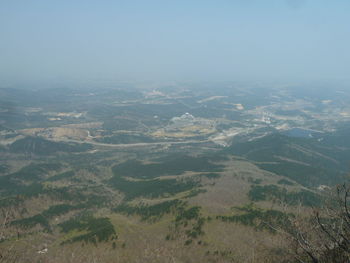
{"points": [[174, 39]]}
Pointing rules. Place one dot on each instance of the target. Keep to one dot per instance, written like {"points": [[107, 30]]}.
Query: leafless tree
{"points": [[323, 237]]}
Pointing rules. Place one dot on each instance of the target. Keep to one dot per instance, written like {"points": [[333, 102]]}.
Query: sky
{"points": [[174, 40]]}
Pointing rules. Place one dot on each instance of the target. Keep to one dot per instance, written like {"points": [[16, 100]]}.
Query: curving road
{"points": [[126, 145]]}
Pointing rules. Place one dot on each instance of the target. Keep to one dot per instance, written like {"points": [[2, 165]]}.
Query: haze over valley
{"points": [[164, 170], [174, 131]]}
